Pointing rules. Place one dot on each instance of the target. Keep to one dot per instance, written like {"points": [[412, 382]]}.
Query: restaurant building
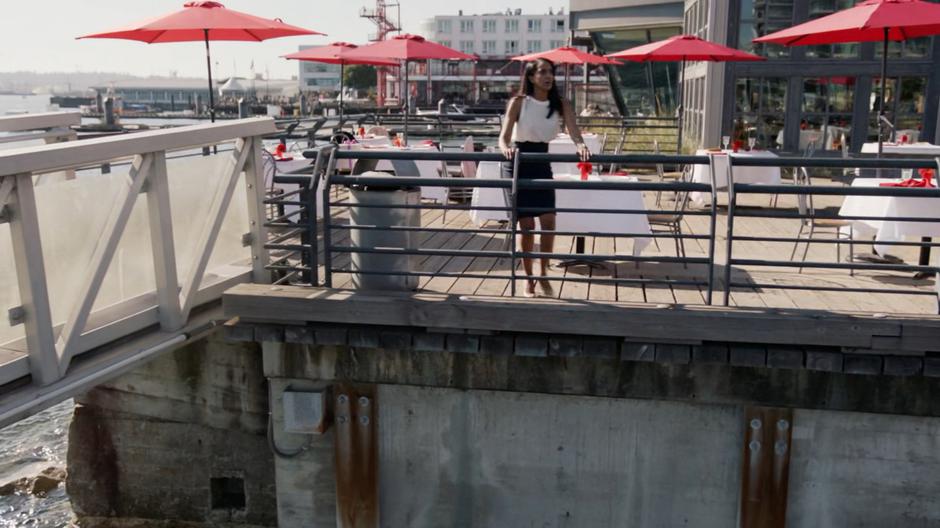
{"points": [[825, 97]]}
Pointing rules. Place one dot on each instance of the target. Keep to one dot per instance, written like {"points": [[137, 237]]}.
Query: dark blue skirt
{"points": [[532, 202]]}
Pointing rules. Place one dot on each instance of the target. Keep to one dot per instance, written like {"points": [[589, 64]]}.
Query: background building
{"points": [[829, 93], [317, 76]]}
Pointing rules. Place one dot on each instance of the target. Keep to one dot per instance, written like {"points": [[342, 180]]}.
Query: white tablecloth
{"points": [[887, 207], [563, 144], [426, 169], [572, 198], [764, 175], [910, 149]]}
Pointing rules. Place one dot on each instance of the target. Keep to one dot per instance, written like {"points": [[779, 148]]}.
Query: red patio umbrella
{"points": [[335, 53], [407, 48], [205, 20], [869, 21], [567, 55], [683, 48]]}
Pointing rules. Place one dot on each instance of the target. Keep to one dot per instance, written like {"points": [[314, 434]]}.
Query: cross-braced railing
{"points": [[52, 344]]}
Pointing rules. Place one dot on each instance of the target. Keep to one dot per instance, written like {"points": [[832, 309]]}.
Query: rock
{"points": [[40, 485]]}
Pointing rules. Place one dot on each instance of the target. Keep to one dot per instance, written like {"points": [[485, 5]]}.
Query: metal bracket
{"points": [[247, 239], [766, 467], [16, 315], [355, 445]]}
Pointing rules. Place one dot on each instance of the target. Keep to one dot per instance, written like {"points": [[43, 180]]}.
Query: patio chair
{"points": [[812, 225], [662, 174], [672, 222]]}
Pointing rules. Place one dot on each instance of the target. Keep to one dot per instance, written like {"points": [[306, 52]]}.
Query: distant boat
{"points": [[16, 112]]}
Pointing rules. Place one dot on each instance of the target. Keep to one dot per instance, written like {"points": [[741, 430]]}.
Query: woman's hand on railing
{"points": [[584, 152], [508, 152]]}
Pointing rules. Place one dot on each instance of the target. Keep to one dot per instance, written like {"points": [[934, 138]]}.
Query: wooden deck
{"points": [[498, 269]]}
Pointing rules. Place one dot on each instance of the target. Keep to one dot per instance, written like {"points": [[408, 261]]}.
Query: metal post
{"points": [[513, 213], [732, 198], [713, 219], [407, 96], [327, 223], [881, 107], [679, 109], [342, 70], [205, 32]]}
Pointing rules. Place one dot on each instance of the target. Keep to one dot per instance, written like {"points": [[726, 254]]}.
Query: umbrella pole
{"points": [[881, 107], [407, 96], [205, 33], [342, 69], [679, 109]]}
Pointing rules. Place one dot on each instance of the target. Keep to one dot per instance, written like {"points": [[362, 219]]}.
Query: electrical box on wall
{"points": [[304, 412]]}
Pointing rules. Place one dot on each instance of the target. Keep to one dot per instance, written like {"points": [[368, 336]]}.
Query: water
{"points": [[40, 441]]}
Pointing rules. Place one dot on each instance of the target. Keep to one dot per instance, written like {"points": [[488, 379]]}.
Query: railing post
{"points": [[31, 278], [328, 221], [254, 191], [161, 242], [513, 217], [729, 241], [713, 221]]}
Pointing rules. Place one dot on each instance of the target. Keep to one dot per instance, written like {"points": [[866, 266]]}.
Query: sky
{"points": [[40, 35]]}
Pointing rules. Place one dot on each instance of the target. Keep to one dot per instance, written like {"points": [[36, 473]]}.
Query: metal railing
{"points": [[717, 267]]}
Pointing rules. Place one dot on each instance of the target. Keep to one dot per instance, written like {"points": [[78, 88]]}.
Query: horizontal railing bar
{"points": [[506, 231], [746, 285], [834, 190], [559, 278], [847, 241], [832, 265], [795, 215], [288, 247], [71, 154], [507, 254]]}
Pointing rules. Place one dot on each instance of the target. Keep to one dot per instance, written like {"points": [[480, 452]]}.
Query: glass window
{"points": [[443, 26], [466, 26], [826, 112], [904, 107], [820, 8], [761, 17], [512, 26], [489, 47], [556, 44], [533, 46], [645, 89], [466, 46], [489, 26], [759, 110], [558, 25], [512, 47], [444, 43], [534, 25]]}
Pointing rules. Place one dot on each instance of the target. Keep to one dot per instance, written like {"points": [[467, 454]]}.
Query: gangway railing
{"points": [[50, 127], [189, 201]]}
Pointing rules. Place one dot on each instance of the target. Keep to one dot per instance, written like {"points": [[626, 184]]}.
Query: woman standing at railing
{"points": [[531, 122]]}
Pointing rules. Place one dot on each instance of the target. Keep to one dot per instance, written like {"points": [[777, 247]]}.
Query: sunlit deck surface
{"points": [[499, 268]]}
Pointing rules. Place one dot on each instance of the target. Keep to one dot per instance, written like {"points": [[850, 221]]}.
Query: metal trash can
{"points": [[374, 238]]}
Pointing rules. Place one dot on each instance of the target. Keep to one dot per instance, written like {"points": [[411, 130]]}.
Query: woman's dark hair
{"points": [[554, 98]]}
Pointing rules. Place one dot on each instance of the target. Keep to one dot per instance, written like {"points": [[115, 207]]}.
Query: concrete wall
{"points": [[144, 449], [147, 446]]}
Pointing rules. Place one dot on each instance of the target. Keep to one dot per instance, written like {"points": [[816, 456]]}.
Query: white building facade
{"points": [[498, 35], [317, 76]]}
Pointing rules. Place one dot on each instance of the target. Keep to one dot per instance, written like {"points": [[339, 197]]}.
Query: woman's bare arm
{"points": [[571, 125], [505, 135]]}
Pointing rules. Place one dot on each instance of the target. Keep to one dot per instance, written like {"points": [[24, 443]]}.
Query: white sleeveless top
{"points": [[532, 124]]}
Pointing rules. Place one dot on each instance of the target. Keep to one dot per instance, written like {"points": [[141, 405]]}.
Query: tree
{"points": [[359, 77]]}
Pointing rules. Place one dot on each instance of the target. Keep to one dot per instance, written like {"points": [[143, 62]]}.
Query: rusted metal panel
{"points": [[356, 451], [766, 467]]}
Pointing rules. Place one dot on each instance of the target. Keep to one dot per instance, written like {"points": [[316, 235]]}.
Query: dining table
{"points": [[585, 222], [758, 175], [888, 207]]}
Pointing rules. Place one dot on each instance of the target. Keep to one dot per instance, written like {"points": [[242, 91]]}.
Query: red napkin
{"points": [[585, 167], [925, 181], [736, 145]]}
